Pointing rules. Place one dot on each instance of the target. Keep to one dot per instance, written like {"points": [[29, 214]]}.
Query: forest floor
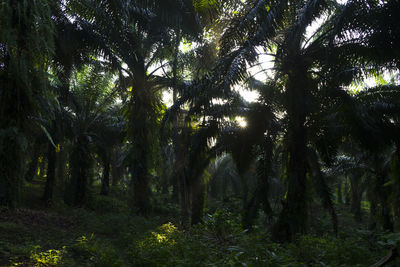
{"points": [[104, 233]]}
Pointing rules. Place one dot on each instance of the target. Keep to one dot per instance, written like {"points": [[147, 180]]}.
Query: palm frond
{"points": [[322, 188]]}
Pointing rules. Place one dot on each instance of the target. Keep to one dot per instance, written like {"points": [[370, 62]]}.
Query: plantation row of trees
{"points": [[82, 85]]}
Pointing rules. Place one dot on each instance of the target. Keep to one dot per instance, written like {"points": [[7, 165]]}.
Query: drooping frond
{"points": [[322, 188], [371, 25], [305, 16], [255, 26]]}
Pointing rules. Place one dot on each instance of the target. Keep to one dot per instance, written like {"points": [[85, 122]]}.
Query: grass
{"points": [[105, 233]]}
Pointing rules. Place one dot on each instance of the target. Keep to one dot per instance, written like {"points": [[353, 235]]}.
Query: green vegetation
{"points": [[105, 234], [127, 137]]}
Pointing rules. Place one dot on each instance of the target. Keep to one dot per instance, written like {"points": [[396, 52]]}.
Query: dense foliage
{"points": [[128, 138]]}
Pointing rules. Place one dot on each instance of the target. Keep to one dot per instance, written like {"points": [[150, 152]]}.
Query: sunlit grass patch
{"points": [[164, 235], [51, 257], [163, 246]]}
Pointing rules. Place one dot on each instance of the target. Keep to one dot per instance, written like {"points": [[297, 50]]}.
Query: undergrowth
{"points": [[105, 233]]}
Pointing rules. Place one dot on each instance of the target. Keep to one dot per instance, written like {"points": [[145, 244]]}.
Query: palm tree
{"points": [[381, 103], [110, 131], [54, 125], [135, 35], [310, 73], [92, 95], [26, 44], [192, 122], [283, 26], [224, 179], [41, 28]]}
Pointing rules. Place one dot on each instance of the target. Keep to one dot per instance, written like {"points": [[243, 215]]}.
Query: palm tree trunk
{"points": [[385, 210], [185, 199], [250, 211], [165, 178], [244, 188], [80, 164], [33, 165], [116, 170], [50, 180], [83, 177], [105, 182], [296, 206], [346, 191], [175, 188], [61, 168], [175, 138], [357, 188], [140, 181], [42, 170], [11, 159], [356, 205], [372, 210], [293, 218], [140, 120], [198, 198], [12, 138], [339, 193]]}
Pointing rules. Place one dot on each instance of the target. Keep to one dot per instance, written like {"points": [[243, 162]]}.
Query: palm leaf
{"points": [[322, 188]]}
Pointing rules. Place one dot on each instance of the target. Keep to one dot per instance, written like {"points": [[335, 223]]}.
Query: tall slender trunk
{"points": [[13, 141], [357, 188], [180, 173], [80, 161], [181, 182], [346, 191], [175, 187], [116, 170], [382, 194], [250, 211], [339, 193], [296, 205], [33, 165], [385, 209], [176, 183], [83, 177], [11, 166], [140, 119], [198, 198], [42, 169], [61, 168], [396, 171], [175, 67], [185, 199], [165, 177], [260, 196], [105, 182], [293, 218], [356, 204], [140, 176], [244, 189], [50, 179], [372, 210]]}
